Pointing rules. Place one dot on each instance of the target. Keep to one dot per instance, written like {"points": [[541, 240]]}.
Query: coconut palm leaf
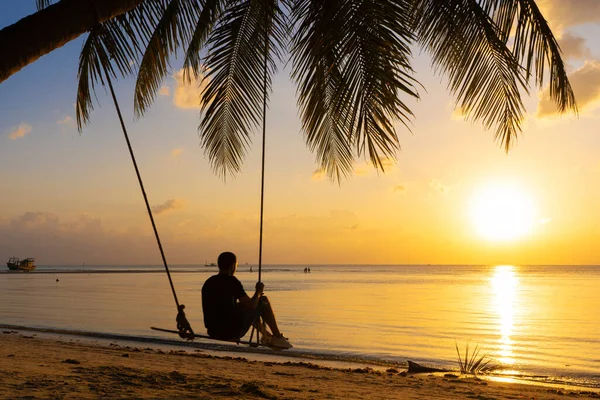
{"points": [[99, 48], [469, 42], [535, 42], [317, 75], [211, 11], [374, 50], [355, 52], [41, 4], [173, 31], [249, 32], [350, 61], [484, 74], [114, 45]]}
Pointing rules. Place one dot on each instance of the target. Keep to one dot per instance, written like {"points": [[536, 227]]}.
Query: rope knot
{"points": [[183, 325]]}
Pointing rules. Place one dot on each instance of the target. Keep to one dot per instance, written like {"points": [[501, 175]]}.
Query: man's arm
{"points": [[250, 303]]}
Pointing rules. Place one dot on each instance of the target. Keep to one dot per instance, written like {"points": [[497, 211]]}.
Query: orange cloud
{"points": [[164, 91], [361, 169], [586, 85], [177, 152], [573, 47], [169, 205], [563, 14], [66, 122], [318, 175], [438, 186], [20, 131], [187, 95]]}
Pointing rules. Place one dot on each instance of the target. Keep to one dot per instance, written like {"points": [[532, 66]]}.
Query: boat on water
{"points": [[206, 264], [26, 264]]}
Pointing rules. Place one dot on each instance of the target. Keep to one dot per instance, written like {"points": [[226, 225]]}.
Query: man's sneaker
{"points": [[280, 342], [266, 337]]}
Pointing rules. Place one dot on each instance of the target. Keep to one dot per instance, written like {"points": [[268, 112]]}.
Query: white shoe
{"points": [[280, 342], [266, 337]]}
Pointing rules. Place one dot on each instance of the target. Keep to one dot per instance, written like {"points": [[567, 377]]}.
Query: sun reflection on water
{"points": [[504, 283]]}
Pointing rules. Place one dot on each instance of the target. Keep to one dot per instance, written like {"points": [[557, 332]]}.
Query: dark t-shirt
{"points": [[220, 294]]}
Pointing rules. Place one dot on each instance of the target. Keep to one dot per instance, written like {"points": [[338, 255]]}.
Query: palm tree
{"points": [[50, 28], [350, 59]]}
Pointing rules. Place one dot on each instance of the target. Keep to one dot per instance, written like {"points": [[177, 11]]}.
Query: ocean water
{"points": [[538, 323]]}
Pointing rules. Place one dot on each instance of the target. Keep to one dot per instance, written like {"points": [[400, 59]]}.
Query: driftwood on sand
{"points": [[415, 368]]}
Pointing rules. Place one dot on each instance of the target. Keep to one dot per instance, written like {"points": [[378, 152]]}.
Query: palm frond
{"points": [[248, 32], [99, 49], [374, 53], [350, 61], [41, 4], [317, 75], [358, 54], [467, 45], [211, 11], [114, 45], [534, 46], [535, 42], [172, 31]]}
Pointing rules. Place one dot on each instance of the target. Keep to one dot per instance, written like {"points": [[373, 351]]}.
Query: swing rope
{"points": [[264, 136], [182, 323], [262, 177], [183, 326]]}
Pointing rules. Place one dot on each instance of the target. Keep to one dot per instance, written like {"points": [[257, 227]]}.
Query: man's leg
{"points": [[277, 339], [269, 316]]}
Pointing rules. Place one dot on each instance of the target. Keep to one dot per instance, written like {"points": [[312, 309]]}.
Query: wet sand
{"points": [[40, 368]]}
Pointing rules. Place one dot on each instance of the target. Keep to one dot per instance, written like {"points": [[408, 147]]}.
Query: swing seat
{"points": [[250, 343]]}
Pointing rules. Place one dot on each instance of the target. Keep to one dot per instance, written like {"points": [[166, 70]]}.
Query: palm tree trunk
{"points": [[30, 38]]}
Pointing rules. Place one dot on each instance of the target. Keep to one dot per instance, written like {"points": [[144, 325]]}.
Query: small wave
{"points": [[210, 345]]}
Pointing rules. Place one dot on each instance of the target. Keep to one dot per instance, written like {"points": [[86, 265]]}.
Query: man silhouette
{"points": [[229, 312]]}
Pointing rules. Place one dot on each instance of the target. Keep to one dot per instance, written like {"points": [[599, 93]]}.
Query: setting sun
{"points": [[502, 212]]}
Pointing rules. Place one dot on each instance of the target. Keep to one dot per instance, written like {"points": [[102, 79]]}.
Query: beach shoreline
{"points": [[41, 367]]}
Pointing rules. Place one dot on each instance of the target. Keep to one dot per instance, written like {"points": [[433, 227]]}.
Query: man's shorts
{"points": [[244, 320]]}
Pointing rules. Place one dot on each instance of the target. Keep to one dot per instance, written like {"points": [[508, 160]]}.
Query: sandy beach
{"points": [[40, 368]]}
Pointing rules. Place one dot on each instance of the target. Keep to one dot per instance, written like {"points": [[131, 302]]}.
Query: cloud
{"points": [[318, 175], [67, 121], [573, 47], [169, 205], [187, 95], [364, 168], [387, 162], [399, 188], [563, 14], [34, 220], [458, 114], [164, 91], [20, 131], [586, 85], [361, 169], [177, 152], [84, 239], [438, 186]]}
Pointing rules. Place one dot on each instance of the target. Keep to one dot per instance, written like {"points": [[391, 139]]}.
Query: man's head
{"points": [[227, 262]]}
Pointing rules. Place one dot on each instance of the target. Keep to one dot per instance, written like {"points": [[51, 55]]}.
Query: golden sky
{"points": [[70, 198]]}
